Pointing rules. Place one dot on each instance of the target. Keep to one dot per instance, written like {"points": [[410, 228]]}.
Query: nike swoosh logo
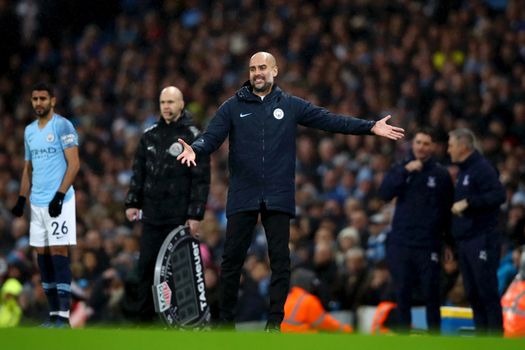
{"points": [[244, 115]]}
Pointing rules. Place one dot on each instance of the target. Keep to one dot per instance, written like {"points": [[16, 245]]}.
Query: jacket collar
{"points": [[246, 93], [427, 164], [185, 119], [473, 158]]}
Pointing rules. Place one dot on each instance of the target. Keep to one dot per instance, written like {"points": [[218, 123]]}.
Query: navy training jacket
{"points": [[477, 182], [262, 145], [424, 198]]}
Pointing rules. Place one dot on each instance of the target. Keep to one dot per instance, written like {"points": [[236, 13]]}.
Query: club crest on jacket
{"points": [[278, 113]]}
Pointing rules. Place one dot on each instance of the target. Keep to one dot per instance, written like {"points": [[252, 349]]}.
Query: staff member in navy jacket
{"points": [[477, 198], [261, 121], [424, 193]]}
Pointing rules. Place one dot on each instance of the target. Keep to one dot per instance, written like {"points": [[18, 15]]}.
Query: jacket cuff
{"points": [[196, 211], [132, 203], [198, 150], [372, 123], [471, 202]]}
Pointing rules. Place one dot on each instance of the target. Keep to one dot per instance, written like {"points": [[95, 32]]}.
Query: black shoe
{"points": [[62, 322], [50, 323], [272, 327]]}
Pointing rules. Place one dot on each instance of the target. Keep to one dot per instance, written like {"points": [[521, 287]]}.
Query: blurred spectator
{"points": [[376, 244], [303, 311], [325, 267], [380, 287], [359, 221], [451, 285], [508, 269], [105, 298], [356, 278], [347, 239], [253, 305], [10, 310], [513, 302]]}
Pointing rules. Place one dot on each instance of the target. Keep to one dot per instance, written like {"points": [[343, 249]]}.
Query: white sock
{"points": [[64, 314]]}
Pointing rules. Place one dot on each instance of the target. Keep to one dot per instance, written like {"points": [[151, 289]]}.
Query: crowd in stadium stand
{"points": [[445, 64]]}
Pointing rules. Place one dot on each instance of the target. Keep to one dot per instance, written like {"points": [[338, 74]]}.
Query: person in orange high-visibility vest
{"points": [[303, 311], [513, 304], [381, 317]]}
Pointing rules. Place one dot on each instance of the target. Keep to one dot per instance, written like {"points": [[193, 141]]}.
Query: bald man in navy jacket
{"points": [[261, 121]]}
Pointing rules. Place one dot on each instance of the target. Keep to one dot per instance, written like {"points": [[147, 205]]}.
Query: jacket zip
{"points": [[263, 153]]}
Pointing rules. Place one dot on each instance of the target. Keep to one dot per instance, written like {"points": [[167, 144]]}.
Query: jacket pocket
{"points": [[461, 225]]}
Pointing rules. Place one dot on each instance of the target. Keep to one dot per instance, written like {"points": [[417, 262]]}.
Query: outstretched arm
{"points": [[188, 155], [320, 118], [381, 128]]}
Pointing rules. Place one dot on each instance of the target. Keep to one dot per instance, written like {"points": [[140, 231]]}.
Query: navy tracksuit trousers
{"points": [[239, 233], [409, 265], [478, 263]]}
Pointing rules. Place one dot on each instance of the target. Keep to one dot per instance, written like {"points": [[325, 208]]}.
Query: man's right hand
{"points": [[415, 165], [18, 209], [448, 254], [188, 155], [459, 207], [133, 214]]}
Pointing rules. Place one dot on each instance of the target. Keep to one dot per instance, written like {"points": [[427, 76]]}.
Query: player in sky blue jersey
{"points": [[51, 164]]}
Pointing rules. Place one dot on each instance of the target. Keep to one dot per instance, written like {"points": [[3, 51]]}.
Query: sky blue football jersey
{"points": [[45, 149]]}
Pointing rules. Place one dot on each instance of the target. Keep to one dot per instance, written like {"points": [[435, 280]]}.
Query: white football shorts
{"points": [[46, 231]]}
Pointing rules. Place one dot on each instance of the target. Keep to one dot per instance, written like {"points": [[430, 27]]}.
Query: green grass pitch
{"points": [[157, 339]]}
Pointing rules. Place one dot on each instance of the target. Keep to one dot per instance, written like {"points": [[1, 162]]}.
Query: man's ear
{"points": [[275, 71], [53, 101]]}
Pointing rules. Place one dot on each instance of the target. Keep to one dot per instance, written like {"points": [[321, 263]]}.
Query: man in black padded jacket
{"points": [[163, 193]]}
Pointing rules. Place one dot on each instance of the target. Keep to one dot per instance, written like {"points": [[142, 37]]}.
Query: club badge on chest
{"points": [[175, 149]]}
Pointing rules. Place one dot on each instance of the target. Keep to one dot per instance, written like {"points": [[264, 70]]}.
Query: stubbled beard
{"points": [[264, 88], [43, 113]]}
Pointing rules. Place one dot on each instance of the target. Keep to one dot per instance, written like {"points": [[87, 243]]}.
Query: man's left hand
{"points": [[55, 206], [194, 227], [459, 207], [448, 254], [381, 128]]}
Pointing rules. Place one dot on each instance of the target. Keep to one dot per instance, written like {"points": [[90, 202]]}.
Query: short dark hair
{"points": [[427, 130], [41, 86]]}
